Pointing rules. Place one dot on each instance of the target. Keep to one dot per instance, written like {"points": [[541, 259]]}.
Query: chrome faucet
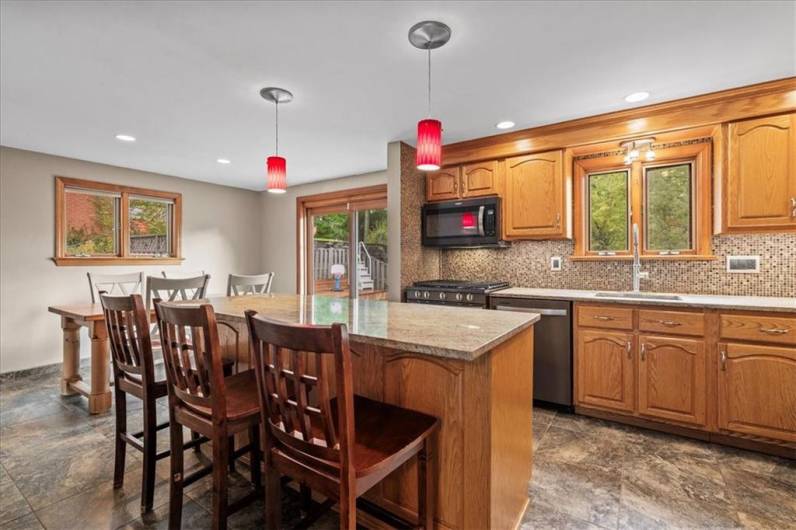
{"points": [[637, 273]]}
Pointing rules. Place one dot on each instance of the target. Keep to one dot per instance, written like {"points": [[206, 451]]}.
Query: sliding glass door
{"points": [[345, 246]]}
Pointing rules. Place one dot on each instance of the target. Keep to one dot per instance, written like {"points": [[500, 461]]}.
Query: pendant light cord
{"points": [[429, 82], [277, 127]]}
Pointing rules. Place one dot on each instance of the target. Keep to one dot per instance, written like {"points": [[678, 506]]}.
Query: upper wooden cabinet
{"points": [[760, 185], [469, 180], [443, 185], [534, 201], [480, 179]]}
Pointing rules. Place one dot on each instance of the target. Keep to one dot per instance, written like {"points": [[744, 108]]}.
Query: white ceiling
{"points": [[183, 77]]}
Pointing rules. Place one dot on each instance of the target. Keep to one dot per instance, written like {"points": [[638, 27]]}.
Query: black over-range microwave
{"points": [[465, 223]]}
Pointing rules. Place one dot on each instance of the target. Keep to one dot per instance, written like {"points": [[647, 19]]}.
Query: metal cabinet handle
{"points": [[545, 312], [774, 331], [670, 323], [643, 351], [602, 317], [723, 360], [793, 206], [558, 219], [629, 349]]}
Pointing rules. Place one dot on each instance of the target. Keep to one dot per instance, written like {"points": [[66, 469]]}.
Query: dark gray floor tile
{"points": [[12, 504], [27, 522], [102, 506], [194, 517]]}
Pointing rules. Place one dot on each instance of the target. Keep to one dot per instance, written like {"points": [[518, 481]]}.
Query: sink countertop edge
{"points": [[729, 302]]}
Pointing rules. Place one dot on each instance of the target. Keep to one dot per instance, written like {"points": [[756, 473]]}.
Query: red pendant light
{"points": [[428, 35], [277, 174], [429, 145], [276, 166]]}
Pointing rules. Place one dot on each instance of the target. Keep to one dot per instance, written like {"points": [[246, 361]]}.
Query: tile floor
{"points": [[56, 466]]}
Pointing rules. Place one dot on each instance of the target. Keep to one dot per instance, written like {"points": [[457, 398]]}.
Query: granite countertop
{"points": [[441, 331], [752, 303]]}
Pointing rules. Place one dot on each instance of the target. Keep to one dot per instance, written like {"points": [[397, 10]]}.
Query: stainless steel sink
{"points": [[643, 296]]}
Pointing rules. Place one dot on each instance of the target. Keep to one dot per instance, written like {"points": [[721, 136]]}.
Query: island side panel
{"points": [[511, 446]]}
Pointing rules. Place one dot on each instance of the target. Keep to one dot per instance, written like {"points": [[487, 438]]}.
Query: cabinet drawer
{"points": [[779, 330], [672, 322], [605, 317]]}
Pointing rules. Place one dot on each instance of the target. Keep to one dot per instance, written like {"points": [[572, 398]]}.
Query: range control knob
{"points": [[469, 298], [417, 294], [442, 296], [459, 297], [425, 294]]}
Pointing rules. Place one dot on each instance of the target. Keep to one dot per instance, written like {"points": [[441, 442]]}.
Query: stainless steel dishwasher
{"points": [[552, 346]]}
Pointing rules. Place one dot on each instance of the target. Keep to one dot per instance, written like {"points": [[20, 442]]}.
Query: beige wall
{"points": [[221, 234], [279, 224]]}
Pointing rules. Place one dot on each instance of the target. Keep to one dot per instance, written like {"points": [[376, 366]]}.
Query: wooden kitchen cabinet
{"points": [[463, 182], [672, 379], [760, 188], [534, 202], [757, 390], [480, 179], [443, 185], [605, 369]]}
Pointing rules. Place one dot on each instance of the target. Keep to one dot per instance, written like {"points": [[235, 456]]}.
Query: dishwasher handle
{"points": [[545, 312]]}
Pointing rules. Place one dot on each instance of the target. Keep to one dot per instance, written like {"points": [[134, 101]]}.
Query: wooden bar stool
{"points": [[134, 374], [319, 433], [203, 400]]}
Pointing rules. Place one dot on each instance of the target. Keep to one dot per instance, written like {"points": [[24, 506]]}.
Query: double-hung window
{"points": [[107, 224]]}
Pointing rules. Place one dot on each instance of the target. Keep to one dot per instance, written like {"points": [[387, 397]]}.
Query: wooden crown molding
{"points": [[772, 97]]}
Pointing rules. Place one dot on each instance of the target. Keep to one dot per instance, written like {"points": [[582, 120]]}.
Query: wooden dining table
{"points": [[98, 388]]}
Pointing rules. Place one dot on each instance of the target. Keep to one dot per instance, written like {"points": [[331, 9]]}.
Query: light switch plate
{"points": [[555, 263], [743, 264]]}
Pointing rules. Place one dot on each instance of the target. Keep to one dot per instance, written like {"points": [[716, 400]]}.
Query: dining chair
{"points": [[242, 284], [134, 374], [203, 400], [171, 289], [320, 433], [121, 284]]}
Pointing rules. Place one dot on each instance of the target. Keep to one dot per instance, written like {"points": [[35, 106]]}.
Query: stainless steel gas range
{"points": [[453, 292]]}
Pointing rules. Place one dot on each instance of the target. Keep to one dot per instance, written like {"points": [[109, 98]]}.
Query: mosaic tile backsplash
{"points": [[527, 264]]}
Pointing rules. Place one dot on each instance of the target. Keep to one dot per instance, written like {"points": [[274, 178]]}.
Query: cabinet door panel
{"points": [[443, 184], [757, 390], [605, 369], [761, 173], [480, 179], [672, 379], [534, 196]]}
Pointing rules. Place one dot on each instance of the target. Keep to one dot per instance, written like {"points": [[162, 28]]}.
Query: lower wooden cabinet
{"points": [[757, 390], [605, 369], [672, 379]]}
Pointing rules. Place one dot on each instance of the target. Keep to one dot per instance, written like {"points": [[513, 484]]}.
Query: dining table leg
{"points": [[71, 365], [99, 398]]}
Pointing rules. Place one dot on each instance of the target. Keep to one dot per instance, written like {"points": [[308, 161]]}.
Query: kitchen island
{"points": [[472, 368]]}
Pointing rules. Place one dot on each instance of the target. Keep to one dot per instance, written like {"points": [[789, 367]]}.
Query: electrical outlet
{"points": [[743, 264], [555, 263]]}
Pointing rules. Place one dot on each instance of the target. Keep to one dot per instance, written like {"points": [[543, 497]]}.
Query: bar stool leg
{"points": [[176, 478], [150, 452], [120, 445], [220, 506], [273, 499]]}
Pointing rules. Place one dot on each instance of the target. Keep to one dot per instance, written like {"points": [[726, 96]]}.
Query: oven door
{"points": [[470, 223]]}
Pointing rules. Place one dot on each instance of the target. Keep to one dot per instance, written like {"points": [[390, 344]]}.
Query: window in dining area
{"points": [[107, 224]]}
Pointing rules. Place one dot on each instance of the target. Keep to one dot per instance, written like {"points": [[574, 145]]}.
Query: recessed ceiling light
{"points": [[635, 97], [223, 161], [125, 138], [505, 124]]}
